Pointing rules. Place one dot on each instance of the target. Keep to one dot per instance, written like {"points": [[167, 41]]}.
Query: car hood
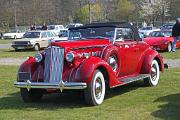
{"points": [[81, 43]]}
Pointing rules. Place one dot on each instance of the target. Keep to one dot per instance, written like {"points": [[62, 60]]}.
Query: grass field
{"points": [[171, 55], [10, 53], [5, 41], [132, 102]]}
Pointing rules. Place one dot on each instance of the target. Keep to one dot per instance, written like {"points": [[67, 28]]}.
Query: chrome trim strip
{"points": [[132, 79], [41, 85]]}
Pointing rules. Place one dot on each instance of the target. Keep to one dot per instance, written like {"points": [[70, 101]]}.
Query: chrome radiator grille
{"points": [[54, 61]]}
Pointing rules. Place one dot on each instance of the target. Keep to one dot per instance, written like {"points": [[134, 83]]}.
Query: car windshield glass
{"points": [[63, 33], [153, 34], [31, 35], [70, 26], [92, 33], [168, 33], [146, 28], [51, 27]]}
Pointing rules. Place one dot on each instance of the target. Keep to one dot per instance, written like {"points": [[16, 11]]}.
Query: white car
{"points": [[71, 25], [13, 34], [55, 28], [147, 30], [35, 40]]}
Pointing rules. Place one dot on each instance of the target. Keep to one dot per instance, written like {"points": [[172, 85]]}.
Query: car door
{"points": [[44, 39], [129, 51]]}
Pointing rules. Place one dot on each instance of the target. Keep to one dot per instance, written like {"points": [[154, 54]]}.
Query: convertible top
{"points": [[110, 24]]}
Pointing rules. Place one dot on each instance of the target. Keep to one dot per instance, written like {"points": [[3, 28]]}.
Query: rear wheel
{"points": [[154, 75], [15, 37], [34, 95], [95, 91]]}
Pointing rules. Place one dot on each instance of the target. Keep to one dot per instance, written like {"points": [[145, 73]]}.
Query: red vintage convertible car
{"points": [[96, 57], [161, 40]]}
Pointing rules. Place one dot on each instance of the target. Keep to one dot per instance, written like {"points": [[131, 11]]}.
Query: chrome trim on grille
{"points": [[54, 61]]}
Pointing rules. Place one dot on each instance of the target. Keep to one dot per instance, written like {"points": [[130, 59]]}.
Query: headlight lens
{"points": [[70, 57], [38, 57]]}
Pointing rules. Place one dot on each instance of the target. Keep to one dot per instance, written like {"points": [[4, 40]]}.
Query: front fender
{"points": [[31, 66], [150, 55], [86, 70]]}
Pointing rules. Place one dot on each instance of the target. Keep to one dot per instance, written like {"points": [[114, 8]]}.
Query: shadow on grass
{"points": [[59, 100], [170, 109]]}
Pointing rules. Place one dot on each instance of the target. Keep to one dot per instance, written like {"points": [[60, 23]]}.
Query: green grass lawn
{"points": [[10, 53], [171, 55], [132, 102], [5, 41]]}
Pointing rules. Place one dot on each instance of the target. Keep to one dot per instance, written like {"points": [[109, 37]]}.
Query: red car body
{"points": [[120, 62], [161, 40]]}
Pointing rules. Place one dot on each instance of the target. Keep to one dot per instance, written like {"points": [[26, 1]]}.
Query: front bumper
{"points": [[22, 46], [41, 85]]}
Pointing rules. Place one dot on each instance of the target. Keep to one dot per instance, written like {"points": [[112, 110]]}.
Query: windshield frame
{"points": [[96, 37]]}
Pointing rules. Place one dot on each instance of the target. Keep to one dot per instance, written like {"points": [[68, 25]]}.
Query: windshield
{"points": [[31, 35], [63, 33], [85, 33], [160, 34], [51, 27], [146, 28]]}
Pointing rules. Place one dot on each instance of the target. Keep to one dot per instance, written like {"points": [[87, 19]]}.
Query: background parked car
{"points": [[161, 40], [55, 28], [167, 26], [72, 25], [147, 30], [63, 34], [34, 39], [13, 34]]}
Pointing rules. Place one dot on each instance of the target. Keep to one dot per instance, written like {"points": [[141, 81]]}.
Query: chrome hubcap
{"points": [[153, 72], [98, 88], [112, 61], [169, 47]]}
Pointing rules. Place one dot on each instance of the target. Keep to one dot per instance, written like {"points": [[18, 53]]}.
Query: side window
{"points": [[128, 34], [43, 35], [124, 34]]}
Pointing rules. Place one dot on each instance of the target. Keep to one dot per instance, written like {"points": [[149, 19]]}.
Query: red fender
{"points": [[150, 55], [86, 70], [30, 65], [112, 50]]}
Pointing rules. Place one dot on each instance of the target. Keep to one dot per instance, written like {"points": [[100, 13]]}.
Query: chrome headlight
{"points": [[70, 57], [38, 57]]}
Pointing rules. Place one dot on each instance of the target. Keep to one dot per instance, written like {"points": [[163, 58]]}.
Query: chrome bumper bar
{"points": [[40, 85]]}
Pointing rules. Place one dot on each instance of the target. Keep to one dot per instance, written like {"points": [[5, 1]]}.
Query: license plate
{"points": [[20, 47], [24, 76]]}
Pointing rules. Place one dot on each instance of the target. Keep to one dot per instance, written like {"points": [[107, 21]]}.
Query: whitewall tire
{"points": [[154, 75], [95, 91]]}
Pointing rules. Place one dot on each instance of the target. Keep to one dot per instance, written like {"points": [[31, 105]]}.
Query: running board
{"points": [[132, 79]]}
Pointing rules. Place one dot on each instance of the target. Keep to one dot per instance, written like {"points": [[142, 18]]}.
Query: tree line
{"points": [[26, 12]]}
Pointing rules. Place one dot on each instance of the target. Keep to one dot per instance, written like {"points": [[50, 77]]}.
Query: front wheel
{"points": [[169, 47], [154, 75], [95, 91], [34, 95], [36, 47]]}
